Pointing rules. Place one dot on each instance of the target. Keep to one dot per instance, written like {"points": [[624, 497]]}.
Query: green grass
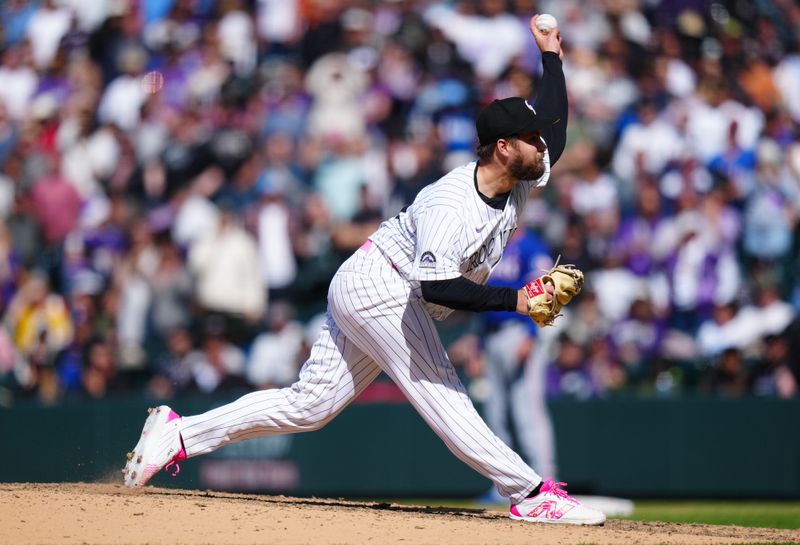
{"points": [[759, 514], [762, 514]]}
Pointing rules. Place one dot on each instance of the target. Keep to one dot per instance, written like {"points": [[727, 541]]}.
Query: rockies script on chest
{"points": [[488, 250]]}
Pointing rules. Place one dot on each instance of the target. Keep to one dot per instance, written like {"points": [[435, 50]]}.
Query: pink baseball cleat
{"points": [[159, 447], [553, 505]]}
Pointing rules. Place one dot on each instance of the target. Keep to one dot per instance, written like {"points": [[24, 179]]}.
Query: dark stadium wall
{"points": [[677, 448]]}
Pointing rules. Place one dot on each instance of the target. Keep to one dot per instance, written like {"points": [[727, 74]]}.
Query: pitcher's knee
{"points": [[312, 414], [313, 418], [312, 409]]}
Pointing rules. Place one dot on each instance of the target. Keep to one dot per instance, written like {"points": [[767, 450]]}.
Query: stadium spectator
{"points": [[728, 375], [569, 374], [217, 364], [224, 265], [276, 354], [637, 339], [720, 332], [41, 327], [100, 374], [488, 37], [171, 286], [285, 131], [773, 376], [19, 81], [173, 367]]}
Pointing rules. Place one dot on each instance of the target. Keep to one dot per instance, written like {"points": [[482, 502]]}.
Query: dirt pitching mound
{"points": [[111, 514]]}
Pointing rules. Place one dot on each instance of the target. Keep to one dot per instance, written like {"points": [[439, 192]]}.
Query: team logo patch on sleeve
{"points": [[427, 261]]}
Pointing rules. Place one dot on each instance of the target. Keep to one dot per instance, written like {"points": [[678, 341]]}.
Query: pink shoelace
{"points": [[181, 456], [552, 487]]}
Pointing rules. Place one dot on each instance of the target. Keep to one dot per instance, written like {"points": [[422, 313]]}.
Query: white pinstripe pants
{"points": [[522, 399], [371, 326]]}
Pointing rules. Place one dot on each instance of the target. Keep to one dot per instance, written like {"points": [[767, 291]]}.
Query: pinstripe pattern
{"points": [[373, 307], [449, 220], [377, 321], [336, 372], [370, 313]]}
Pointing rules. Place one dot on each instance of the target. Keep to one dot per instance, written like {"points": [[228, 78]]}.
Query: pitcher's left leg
{"points": [[403, 341], [335, 373]]}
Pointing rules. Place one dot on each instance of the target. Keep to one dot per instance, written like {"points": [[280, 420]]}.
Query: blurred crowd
{"points": [[179, 180]]}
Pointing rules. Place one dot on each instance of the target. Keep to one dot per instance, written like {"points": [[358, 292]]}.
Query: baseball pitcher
{"points": [[419, 266]]}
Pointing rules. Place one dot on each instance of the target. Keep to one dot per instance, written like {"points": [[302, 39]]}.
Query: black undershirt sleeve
{"points": [[462, 294], [552, 101]]}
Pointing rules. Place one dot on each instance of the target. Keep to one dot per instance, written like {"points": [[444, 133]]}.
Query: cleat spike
{"points": [[159, 446]]}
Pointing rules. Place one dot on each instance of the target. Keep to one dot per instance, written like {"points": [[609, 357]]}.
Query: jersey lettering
{"points": [[479, 257]]}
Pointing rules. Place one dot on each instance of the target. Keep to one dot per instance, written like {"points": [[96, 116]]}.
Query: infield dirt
{"points": [[77, 513]]}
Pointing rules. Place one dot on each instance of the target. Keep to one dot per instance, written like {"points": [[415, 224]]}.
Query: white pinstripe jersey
{"points": [[450, 231]]}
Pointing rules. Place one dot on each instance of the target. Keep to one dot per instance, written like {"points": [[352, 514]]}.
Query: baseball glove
{"points": [[566, 282]]}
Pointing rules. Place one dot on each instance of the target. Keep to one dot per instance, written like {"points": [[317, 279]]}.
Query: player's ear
{"points": [[502, 147]]}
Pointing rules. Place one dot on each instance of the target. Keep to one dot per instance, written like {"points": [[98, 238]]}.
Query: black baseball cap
{"points": [[509, 117]]}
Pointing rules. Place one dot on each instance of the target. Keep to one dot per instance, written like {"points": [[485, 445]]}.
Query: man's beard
{"points": [[519, 170]]}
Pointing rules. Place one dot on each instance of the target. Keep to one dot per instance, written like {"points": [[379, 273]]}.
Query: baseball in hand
{"points": [[152, 82], [546, 22]]}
